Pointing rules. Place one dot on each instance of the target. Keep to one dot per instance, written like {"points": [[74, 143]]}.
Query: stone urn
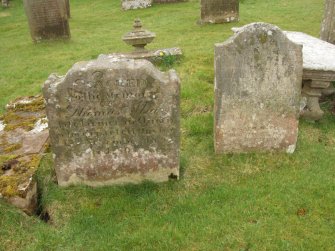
{"points": [[139, 37]]}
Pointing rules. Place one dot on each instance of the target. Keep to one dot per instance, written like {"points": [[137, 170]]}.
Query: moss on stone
{"points": [[37, 104], [12, 147], [20, 173], [13, 121]]}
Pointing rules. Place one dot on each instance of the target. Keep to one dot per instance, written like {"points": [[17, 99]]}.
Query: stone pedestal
{"points": [[219, 11], [312, 90], [328, 23]]}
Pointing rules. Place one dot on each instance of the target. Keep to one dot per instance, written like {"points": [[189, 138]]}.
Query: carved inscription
{"points": [[110, 121]]}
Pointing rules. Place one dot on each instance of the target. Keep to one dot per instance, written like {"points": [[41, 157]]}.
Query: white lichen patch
{"points": [[2, 126], [291, 149], [40, 125]]}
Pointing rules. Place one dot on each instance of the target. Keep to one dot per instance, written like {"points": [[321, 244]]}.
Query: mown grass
{"points": [[222, 202]]}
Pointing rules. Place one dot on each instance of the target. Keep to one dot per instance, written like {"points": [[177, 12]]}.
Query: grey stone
{"points": [[168, 1], [5, 3], [219, 11], [48, 19], [328, 23], [113, 121], [318, 71], [258, 74], [135, 4]]}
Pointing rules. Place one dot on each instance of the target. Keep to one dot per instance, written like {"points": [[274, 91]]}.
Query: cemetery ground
{"points": [[268, 201]]}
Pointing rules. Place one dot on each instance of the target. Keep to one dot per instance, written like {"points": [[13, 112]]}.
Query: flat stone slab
{"points": [[114, 121], [153, 56], [318, 55], [23, 140]]}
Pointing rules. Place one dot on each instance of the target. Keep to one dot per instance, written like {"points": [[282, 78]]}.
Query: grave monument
{"points": [[219, 11], [258, 74], [113, 121]]}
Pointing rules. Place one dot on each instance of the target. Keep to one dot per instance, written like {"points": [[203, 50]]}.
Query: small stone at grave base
{"points": [[114, 121], [258, 75]]}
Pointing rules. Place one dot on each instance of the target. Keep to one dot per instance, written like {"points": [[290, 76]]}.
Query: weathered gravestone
{"points": [[258, 74], [219, 11], [114, 121], [328, 23], [168, 1], [135, 4], [5, 3], [48, 19]]}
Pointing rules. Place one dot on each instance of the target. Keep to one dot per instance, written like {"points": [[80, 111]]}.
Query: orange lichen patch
{"points": [[18, 175]]}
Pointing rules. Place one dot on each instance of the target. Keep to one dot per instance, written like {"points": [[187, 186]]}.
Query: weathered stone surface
{"points": [[258, 74], [168, 1], [136, 4], [318, 71], [5, 3], [328, 23], [113, 121], [23, 140], [219, 11], [153, 56], [48, 19]]}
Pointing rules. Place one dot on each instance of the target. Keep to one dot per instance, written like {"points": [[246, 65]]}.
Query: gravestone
{"points": [[168, 1], [219, 11], [113, 121], [48, 19], [5, 3], [258, 74], [135, 4], [328, 23]]}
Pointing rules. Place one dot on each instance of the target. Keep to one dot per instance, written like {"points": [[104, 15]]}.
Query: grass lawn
{"points": [[222, 202]]}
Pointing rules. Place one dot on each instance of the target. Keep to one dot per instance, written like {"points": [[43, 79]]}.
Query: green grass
{"points": [[221, 202]]}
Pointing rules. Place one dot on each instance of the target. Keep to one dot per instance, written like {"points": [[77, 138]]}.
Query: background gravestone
{"points": [[328, 24], [114, 121], [135, 4], [258, 74], [169, 1], [219, 11], [48, 19]]}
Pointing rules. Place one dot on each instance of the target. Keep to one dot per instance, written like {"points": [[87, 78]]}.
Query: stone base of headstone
{"points": [[153, 56], [219, 11], [48, 19], [136, 4], [23, 140], [114, 121]]}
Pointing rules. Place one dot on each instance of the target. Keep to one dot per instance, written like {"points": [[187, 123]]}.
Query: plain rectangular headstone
{"points": [[258, 75], [48, 19], [219, 11], [113, 121]]}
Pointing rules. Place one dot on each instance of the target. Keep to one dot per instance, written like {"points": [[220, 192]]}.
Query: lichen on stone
{"points": [[15, 172]]}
